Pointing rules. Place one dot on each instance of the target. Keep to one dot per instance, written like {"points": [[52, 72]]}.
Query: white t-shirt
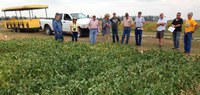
{"points": [[161, 28], [139, 21]]}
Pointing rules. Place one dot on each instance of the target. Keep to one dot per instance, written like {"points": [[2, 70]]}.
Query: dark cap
{"points": [[139, 12], [179, 13], [126, 14]]}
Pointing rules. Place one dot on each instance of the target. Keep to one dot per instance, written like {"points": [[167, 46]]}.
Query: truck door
{"points": [[66, 21]]}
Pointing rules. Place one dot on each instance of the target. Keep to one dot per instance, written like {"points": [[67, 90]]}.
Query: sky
{"points": [[101, 7]]}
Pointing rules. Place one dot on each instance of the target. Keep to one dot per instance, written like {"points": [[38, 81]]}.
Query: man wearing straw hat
{"points": [[106, 26]]}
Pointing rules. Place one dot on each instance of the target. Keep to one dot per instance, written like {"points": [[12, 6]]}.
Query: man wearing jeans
{"points": [[127, 23], [190, 27], [57, 27], [115, 22], [93, 26], [177, 24], [139, 22]]}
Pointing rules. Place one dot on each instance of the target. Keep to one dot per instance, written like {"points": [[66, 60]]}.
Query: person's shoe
{"points": [[187, 53], [160, 46], [138, 45], [175, 48]]}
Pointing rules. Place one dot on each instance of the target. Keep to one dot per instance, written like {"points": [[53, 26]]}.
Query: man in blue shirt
{"points": [[57, 26]]}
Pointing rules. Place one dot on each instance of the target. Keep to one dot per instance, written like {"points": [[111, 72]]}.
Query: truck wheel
{"points": [[48, 30]]}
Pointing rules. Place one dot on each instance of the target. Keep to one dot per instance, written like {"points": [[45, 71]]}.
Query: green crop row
{"points": [[38, 66]]}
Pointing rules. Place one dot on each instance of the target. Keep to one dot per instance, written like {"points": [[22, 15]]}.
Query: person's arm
{"points": [[164, 23], [110, 24], [158, 24], [143, 22], [89, 26], [172, 24], [111, 20], [98, 26], [55, 27], [195, 28], [132, 22], [178, 25], [103, 24], [181, 22]]}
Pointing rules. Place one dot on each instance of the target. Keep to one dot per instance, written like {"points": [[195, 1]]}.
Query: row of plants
{"points": [[38, 66]]}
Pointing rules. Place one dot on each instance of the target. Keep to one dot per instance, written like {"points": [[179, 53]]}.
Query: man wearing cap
{"points": [[57, 26], [74, 30], [115, 22], [93, 26], [139, 22], [127, 24], [190, 27]]}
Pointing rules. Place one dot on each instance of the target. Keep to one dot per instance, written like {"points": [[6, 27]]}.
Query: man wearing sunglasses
{"points": [[177, 24]]}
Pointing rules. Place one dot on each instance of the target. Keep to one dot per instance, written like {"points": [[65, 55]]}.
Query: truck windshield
{"points": [[78, 15]]}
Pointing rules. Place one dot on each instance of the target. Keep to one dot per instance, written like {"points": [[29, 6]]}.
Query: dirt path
{"points": [[149, 40]]}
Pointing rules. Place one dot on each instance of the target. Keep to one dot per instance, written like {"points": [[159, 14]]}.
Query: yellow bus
{"points": [[20, 23]]}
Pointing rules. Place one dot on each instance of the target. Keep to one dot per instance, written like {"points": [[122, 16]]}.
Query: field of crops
{"points": [[38, 66]]}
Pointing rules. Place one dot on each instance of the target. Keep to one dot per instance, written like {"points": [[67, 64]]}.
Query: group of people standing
{"points": [[112, 24], [190, 27]]}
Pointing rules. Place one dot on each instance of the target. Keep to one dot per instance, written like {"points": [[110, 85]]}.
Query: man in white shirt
{"points": [[139, 22], [161, 27]]}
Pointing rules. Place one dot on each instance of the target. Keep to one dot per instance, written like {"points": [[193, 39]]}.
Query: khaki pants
{"points": [[106, 38]]}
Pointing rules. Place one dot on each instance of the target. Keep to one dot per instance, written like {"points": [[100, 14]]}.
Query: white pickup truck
{"points": [[82, 20]]}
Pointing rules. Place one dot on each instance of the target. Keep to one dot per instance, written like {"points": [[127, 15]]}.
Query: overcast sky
{"points": [[100, 7]]}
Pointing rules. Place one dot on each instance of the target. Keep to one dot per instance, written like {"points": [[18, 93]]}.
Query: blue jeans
{"points": [[59, 36], [126, 32], [74, 36], [93, 35], [187, 42], [176, 38], [115, 35], [138, 36]]}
